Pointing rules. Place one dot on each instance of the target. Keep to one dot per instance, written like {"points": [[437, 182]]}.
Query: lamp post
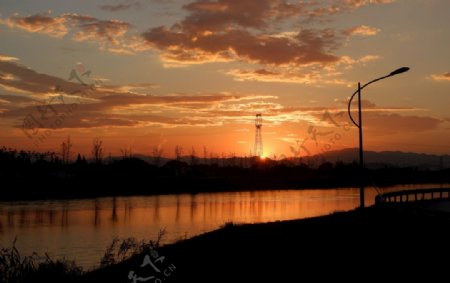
{"points": [[359, 125]]}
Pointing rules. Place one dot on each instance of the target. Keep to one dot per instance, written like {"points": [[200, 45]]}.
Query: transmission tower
{"points": [[258, 150]]}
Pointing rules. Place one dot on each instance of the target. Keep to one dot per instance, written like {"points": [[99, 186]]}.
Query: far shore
{"points": [[26, 179]]}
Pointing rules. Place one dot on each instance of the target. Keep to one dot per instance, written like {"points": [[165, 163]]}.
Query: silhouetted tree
{"points": [[126, 152], [178, 152], [233, 159], [326, 166], [66, 150], [295, 152], [97, 150], [211, 158], [193, 157], [53, 157], [157, 153], [81, 161], [205, 154]]}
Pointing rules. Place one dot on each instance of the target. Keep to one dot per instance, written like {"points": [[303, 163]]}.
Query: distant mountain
{"points": [[375, 159], [372, 159]]}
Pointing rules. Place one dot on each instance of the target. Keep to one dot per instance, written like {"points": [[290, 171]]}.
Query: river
{"points": [[82, 229]]}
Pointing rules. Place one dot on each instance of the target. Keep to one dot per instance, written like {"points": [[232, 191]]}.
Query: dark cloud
{"points": [[28, 80], [221, 30], [224, 14], [240, 30], [307, 46], [91, 28], [16, 99], [119, 7], [389, 123]]}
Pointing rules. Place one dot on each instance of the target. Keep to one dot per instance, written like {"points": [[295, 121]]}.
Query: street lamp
{"points": [[359, 125]]}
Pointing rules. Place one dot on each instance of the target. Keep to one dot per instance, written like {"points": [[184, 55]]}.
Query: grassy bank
{"points": [[17, 268], [375, 240]]}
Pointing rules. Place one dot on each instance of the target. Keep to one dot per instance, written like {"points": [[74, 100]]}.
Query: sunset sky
{"points": [[158, 73]]}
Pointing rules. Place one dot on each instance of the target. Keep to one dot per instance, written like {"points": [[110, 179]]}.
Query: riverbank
{"points": [[372, 242]]}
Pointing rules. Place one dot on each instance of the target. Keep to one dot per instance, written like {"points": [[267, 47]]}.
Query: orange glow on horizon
{"points": [[201, 84]]}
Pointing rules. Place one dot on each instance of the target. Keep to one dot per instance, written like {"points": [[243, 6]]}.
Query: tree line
{"points": [[33, 175]]}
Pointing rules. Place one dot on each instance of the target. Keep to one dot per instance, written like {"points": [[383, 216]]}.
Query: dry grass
{"points": [[123, 249], [15, 268]]}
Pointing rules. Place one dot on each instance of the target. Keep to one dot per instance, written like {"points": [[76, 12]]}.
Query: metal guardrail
{"points": [[413, 195]]}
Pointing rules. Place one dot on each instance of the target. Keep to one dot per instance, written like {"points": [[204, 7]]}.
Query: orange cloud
{"points": [[134, 111], [112, 105], [360, 3], [131, 88], [348, 61], [283, 76], [7, 58], [362, 30], [339, 6], [12, 101], [40, 23], [115, 106], [321, 11], [445, 77], [86, 27], [310, 74]]}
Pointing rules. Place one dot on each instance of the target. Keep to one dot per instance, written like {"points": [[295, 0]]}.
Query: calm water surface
{"points": [[82, 229]]}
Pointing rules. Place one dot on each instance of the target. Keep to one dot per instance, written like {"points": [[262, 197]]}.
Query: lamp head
{"points": [[399, 71]]}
